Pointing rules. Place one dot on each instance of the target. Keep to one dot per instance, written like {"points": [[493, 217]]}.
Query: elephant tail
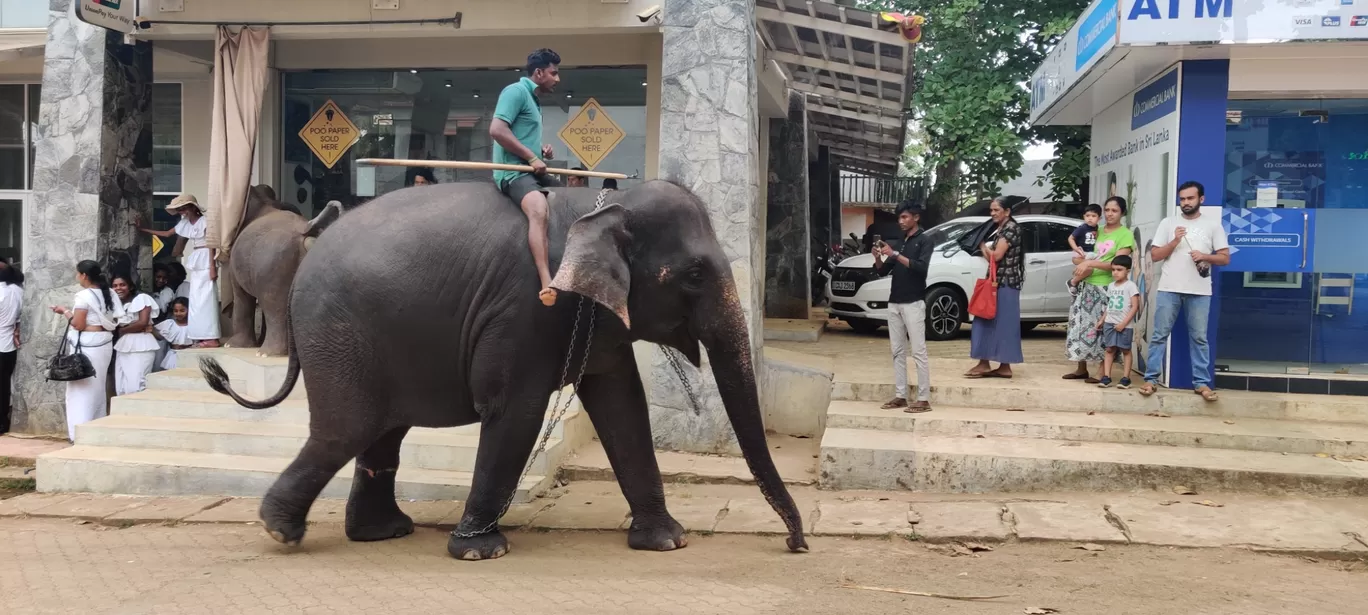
{"points": [[217, 377]]}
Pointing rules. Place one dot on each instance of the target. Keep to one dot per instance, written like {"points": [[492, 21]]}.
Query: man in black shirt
{"points": [[907, 305]]}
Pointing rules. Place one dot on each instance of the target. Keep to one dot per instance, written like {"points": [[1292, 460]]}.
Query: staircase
{"points": [[1042, 434], [181, 438]]}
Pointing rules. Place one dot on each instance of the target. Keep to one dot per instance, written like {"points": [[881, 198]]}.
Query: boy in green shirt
{"points": [[517, 134]]}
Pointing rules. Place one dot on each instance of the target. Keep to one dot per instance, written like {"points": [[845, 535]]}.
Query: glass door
{"points": [[1296, 202], [12, 228]]}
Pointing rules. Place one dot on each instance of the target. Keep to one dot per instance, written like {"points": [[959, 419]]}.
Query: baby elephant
{"points": [[265, 256]]}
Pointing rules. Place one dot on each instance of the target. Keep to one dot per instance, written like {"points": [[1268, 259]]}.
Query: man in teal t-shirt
{"points": [[517, 133]]}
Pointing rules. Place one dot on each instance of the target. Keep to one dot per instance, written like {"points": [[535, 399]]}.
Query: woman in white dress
{"points": [[11, 304], [200, 267], [135, 351], [174, 332], [93, 314]]}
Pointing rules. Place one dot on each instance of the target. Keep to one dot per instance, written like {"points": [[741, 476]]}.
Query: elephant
{"points": [[273, 240], [421, 309]]}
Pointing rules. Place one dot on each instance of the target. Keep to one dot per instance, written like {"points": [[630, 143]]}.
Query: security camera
{"points": [[648, 14]]}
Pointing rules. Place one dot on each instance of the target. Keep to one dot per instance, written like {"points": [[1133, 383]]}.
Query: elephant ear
{"points": [[593, 265]]}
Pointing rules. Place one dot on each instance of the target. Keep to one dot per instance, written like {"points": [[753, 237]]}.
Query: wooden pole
{"points": [[481, 166]]}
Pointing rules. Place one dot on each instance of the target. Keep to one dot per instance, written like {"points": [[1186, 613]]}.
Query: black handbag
{"points": [[70, 367]]}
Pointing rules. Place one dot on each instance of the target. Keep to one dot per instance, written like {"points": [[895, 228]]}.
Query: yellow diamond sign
{"points": [[330, 134], [591, 134]]}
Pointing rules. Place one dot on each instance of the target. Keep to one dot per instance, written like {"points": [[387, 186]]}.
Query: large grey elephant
{"points": [[420, 308], [267, 252]]}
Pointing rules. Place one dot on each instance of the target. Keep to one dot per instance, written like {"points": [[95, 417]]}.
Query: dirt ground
{"points": [[60, 566]]}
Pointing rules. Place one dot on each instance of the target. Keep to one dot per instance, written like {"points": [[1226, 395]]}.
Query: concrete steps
{"points": [[135, 471], [181, 438], [967, 450]]}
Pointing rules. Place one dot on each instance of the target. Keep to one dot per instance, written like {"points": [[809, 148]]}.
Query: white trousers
{"points": [[85, 399], [131, 370], [203, 321], [907, 323]]}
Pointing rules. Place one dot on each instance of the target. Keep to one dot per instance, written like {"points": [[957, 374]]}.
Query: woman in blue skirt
{"points": [[999, 339]]}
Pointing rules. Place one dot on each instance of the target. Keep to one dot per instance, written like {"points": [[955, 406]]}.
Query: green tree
{"points": [[1067, 172], [971, 98]]}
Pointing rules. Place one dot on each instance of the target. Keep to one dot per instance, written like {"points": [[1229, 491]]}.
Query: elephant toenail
{"points": [[470, 555]]}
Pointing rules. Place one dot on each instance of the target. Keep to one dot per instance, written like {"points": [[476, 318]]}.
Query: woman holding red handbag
{"points": [[996, 304]]}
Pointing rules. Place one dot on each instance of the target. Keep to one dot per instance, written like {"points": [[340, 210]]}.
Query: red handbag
{"points": [[984, 303]]}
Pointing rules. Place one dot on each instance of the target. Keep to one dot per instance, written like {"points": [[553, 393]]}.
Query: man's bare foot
{"points": [[547, 296]]}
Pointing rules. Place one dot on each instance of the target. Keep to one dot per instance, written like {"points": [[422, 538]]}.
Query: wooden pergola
{"points": [[855, 70]]}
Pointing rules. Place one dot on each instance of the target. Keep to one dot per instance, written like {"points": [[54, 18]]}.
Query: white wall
{"points": [[1296, 70], [1144, 162]]}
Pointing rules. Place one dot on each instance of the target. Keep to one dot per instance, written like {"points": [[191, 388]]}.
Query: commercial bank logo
{"points": [[1095, 31], [1155, 100], [1330, 21]]}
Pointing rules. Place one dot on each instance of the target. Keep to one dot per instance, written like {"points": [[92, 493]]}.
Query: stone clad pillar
{"points": [[709, 137], [788, 238], [92, 174]]}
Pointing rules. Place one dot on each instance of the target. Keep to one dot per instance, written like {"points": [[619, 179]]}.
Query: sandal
{"points": [[896, 402], [1146, 389], [918, 407], [1206, 393], [982, 374], [1075, 376]]}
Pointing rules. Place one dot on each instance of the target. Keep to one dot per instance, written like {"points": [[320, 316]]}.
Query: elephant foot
{"points": [[273, 350], [240, 341], [665, 535], [283, 528], [378, 526], [490, 545]]}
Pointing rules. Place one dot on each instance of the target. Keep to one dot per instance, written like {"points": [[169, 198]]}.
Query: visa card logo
{"points": [[1330, 21], [1358, 21]]}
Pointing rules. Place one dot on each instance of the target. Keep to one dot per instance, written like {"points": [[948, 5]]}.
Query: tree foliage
{"points": [[1067, 173], [971, 72]]}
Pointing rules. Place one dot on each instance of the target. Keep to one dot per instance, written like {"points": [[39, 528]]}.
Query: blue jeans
{"points": [[1197, 308]]}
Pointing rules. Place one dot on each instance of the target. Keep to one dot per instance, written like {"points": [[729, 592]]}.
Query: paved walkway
{"points": [[58, 566], [1329, 527]]}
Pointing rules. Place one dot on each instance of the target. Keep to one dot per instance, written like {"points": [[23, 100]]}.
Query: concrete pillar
{"points": [[709, 137], [825, 214], [92, 175], [788, 239]]}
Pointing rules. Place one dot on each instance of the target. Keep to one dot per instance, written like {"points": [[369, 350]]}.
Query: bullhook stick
{"points": [[922, 594], [483, 166]]}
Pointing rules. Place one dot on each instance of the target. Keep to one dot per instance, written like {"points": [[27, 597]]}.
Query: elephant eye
{"points": [[693, 278]]}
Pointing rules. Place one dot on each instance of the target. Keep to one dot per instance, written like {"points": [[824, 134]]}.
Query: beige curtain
{"points": [[239, 84]]}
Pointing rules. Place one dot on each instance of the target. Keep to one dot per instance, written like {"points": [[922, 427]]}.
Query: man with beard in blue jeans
{"points": [[1187, 247]]}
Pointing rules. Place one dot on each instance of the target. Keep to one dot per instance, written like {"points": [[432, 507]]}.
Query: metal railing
{"points": [[889, 191]]}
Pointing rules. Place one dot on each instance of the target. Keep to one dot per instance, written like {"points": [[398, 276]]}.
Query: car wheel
{"points": [[864, 326], [944, 314]]}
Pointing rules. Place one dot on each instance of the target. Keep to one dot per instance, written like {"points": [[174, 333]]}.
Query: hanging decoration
{"points": [[910, 26]]}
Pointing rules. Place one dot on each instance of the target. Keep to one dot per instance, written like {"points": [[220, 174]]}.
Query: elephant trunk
{"points": [[729, 351]]}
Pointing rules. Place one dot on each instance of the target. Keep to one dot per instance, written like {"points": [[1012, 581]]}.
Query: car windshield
{"points": [[944, 235]]}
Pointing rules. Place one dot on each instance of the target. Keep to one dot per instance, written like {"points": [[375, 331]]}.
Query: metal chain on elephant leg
{"points": [[557, 411]]}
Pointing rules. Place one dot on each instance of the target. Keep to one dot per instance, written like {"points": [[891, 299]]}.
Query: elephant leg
{"points": [[372, 513], [508, 432], [287, 502], [244, 318], [616, 403], [276, 341]]}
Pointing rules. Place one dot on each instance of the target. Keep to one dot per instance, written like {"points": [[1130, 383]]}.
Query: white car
{"points": [[859, 296]]}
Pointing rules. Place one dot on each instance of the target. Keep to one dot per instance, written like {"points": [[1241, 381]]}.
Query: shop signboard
{"points": [[329, 134], [1150, 22], [591, 134], [116, 15], [1081, 48]]}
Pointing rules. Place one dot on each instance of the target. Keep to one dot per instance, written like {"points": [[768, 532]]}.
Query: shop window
{"points": [[440, 115], [23, 14], [167, 182]]}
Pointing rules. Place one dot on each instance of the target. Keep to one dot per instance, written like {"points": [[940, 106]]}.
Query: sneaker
{"points": [[1105, 382], [1124, 384]]}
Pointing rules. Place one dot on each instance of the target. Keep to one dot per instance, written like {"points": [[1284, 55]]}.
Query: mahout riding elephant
{"points": [[267, 252], [420, 308]]}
